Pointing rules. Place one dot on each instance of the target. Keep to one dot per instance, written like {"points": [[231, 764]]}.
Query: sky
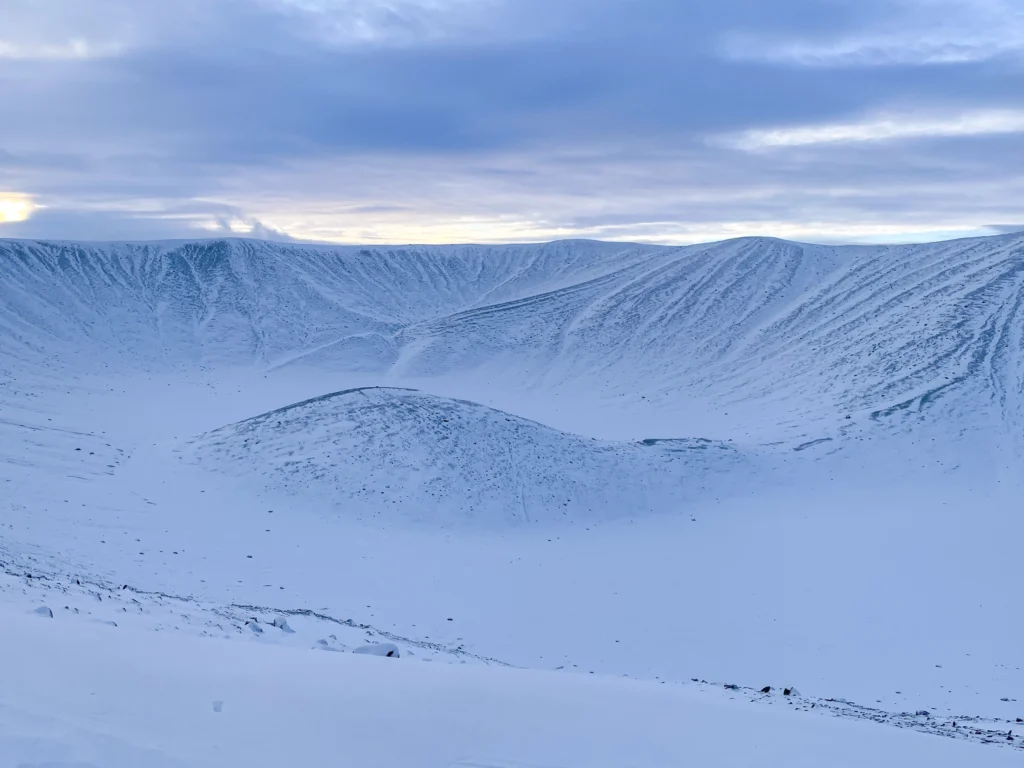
{"points": [[431, 121]]}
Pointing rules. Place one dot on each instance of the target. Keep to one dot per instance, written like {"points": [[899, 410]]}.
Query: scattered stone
{"points": [[767, 689], [42, 610], [388, 650], [791, 692], [923, 713], [732, 687]]}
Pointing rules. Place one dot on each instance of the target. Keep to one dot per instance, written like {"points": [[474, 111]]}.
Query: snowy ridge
{"points": [[252, 302], [404, 455], [818, 333]]}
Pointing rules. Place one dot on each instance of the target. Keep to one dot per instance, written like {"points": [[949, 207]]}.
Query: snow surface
{"points": [[750, 462], [96, 696]]}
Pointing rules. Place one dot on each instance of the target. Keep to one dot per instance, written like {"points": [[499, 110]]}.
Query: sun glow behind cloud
{"points": [[15, 207]]}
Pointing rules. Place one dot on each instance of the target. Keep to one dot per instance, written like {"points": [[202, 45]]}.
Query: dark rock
{"points": [[766, 689]]}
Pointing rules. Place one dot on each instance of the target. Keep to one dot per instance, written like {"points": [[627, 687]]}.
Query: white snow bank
{"points": [[89, 695], [388, 650]]}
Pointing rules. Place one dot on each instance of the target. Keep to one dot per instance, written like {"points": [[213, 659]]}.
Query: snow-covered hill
{"points": [[402, 455]]}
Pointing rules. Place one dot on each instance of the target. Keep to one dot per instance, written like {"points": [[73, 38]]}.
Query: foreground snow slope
{"points": [[95, 697]]}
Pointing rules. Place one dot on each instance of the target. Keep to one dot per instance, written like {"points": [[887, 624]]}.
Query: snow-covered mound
{"points": [[404, 455]]}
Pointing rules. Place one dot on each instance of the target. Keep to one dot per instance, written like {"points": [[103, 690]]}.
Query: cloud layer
{"points": [[455, 120]]}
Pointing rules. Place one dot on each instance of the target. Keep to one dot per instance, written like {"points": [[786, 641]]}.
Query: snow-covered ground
{"points": [[751, 463], [118, 698]]}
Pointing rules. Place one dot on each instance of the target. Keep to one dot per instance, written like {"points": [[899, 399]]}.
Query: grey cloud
{"points": [[210, 100], [188, 220]]}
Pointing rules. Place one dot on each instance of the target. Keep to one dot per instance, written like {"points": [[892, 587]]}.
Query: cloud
{"points": [[484, 119], [140, 222], [909, 32], [982, 123], [72, 49]]}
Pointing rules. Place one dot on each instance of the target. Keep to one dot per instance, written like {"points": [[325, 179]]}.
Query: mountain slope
{"points": [[245, 302], [816, 333], [797, 335]]}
